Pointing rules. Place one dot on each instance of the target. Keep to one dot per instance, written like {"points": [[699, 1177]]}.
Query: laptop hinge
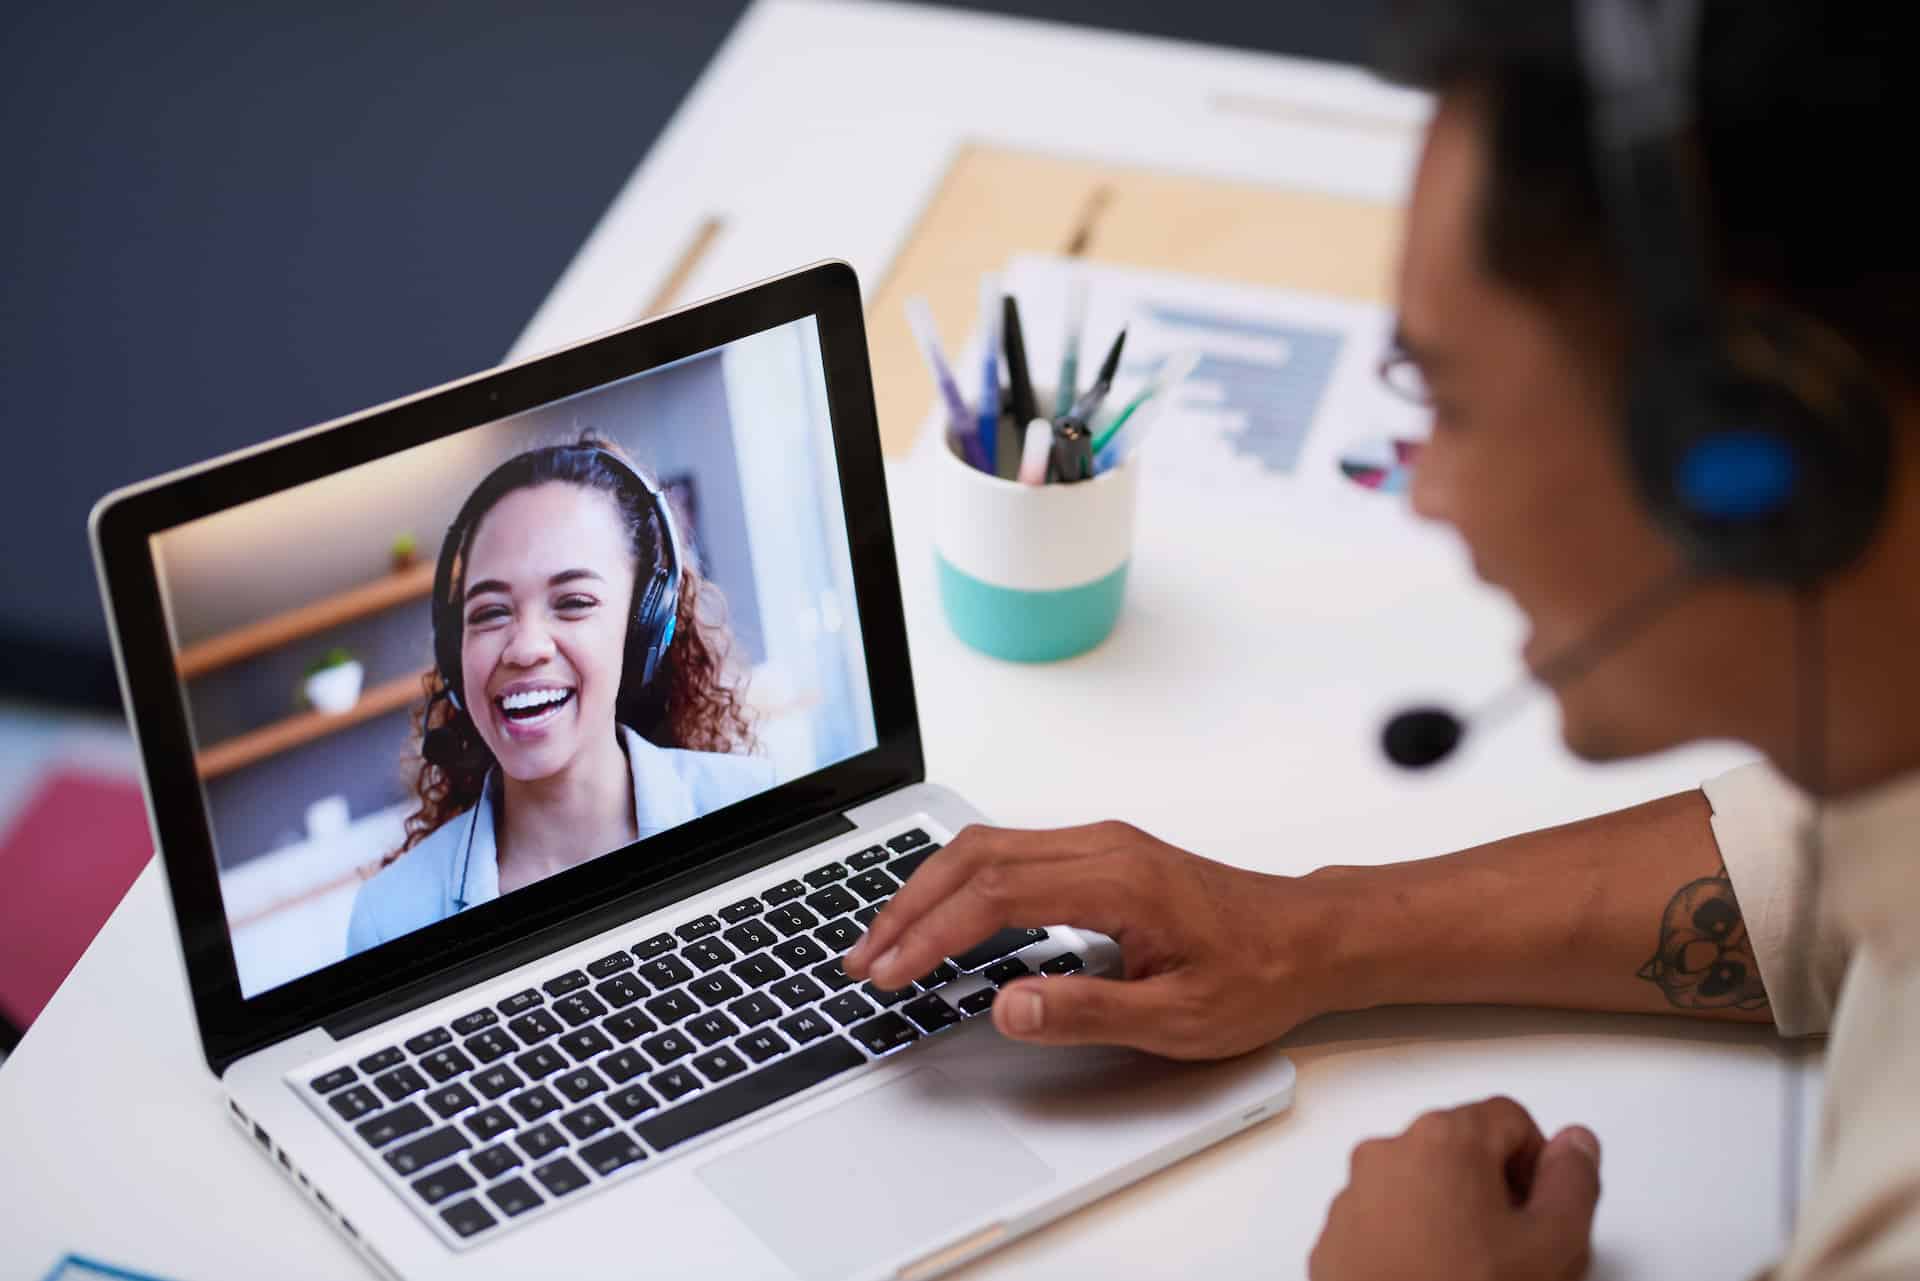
{"points": [[425, 991]]}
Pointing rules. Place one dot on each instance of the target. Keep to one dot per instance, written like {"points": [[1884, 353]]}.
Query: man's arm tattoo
{"points": [[1705, 960]]}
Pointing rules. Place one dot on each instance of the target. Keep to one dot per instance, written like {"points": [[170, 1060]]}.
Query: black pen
{"points": [[1072, 452], [1025, 408], [1088, 405]]}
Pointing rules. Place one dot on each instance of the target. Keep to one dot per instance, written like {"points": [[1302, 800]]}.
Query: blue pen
{"points": [[990, 372], [920, 317]]}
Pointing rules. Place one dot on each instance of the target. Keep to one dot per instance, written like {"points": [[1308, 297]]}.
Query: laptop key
{"points": [[621, 990], [353, 1104], [901, 868], [444, 1065], [930, 1013], [468, 1024], [709, 954], [534, 1104], [608, 966], [848, 1007], [715, 988], [560, 1176], [584, 1123], [874, 886], [665, 972], [762, 1045], [831, 976], [496, 1081], [667, 1047], [331, 1081], [604, 1156], [784, 892], [791, 919], [630, 1101], [581, 1083], [585, 1043], [782, 1078], [451, 1100], [712, 1028], [535, 1027], [513, 1196], [939, 976], [835, 900], [489, 1124], [622, 1066], [671, 1007], [807, 1025], [1001, 944], [399, 1083], [431, 1039], [490, 1045], [542, 1060], [886, 998], [1001, 973], [381, 1060], [839, 934], [581, 1007], [911, 839], [647, 949], [674, 1083], [443, 1183], [397, 1124], [751, 936], [754, 1009], [799, 953], [827, 875], [718, 1065], [884, 1034], [519, 1003], [698, 928], [796, 991], [868, 857], [571, 981], [627, 1024], [428, 1149], [758, 971], [541, 1140], [494, 1161], [468, 1217], [977, 1002], [864, 917], [1065, 963], [734, 913]]}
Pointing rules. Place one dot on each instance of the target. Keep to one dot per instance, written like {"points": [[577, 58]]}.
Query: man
{"points": [[1513, 311]]}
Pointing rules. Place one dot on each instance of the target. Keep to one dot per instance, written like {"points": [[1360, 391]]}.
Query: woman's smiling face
{"points": [[549, 585]]}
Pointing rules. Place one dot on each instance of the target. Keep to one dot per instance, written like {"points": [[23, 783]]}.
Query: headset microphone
{"points": [[1423, 736]]}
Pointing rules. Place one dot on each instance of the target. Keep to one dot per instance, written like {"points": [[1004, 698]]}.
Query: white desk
{"points": [[1233, 711]]}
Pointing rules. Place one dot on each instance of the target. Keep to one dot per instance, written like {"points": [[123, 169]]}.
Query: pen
{"points": [[1034, 456], [1020, 384], [1072, 451], [990, 372], [1088, 405], [920, 317], [1173, 370], [1070, 356]]}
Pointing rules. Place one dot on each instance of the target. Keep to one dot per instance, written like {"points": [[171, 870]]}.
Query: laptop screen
{"points": [[429, 681]]}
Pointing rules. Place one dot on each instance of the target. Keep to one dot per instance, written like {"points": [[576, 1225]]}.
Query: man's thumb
{"points": [[1566, 1187], [1078, 1011]]}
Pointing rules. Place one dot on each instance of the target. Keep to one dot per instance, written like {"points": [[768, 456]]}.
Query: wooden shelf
{"points": [[256, 745], [283, 629]]}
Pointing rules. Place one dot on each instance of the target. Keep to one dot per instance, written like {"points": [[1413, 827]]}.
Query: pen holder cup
{"points": [[1031, 573]]}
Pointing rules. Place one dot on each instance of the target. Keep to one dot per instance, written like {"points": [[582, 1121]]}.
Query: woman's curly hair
{"points": [[694, 700]]}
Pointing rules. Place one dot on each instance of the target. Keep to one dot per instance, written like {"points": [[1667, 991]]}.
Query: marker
{"points": [[920, 317], [1072, 451], [1033, 457], [989, 415], [1019, 382], [1088, 405], [1070, 357], [1173, 371], [1123, 443]]}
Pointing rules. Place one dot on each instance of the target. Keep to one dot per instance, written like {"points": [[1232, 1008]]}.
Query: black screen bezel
{"points": [[232, 1025]]}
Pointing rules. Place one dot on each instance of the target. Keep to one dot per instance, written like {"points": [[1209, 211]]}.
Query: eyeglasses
{"points": [[1400, 373]]}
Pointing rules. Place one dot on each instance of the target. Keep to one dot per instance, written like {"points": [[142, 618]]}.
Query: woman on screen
{"points": [[579, 699]]}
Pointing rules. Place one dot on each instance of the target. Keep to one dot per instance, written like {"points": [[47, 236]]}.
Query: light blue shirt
{"points": [[457, 866]]}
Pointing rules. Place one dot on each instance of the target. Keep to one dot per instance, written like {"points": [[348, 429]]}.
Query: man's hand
{"points": [[1217, 960], [1475, 1194]]}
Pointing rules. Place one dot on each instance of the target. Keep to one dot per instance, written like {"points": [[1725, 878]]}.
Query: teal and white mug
{"points": [[1031, 573]]}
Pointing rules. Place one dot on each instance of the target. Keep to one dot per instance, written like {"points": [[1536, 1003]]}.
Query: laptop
{"points": [[524, 754]]}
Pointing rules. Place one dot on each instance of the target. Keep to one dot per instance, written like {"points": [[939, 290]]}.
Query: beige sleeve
{"points": [[1757, 816]]}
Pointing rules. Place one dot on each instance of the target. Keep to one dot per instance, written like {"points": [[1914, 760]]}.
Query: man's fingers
{"points": [[1566, 1188], [1088, 1011]]}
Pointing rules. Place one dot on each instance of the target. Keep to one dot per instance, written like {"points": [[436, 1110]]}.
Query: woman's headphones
{"points": [[656, 587], [1756, 435]]}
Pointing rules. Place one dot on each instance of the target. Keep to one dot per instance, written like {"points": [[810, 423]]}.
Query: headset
{"points": [[656, 587], [1755, 435]]}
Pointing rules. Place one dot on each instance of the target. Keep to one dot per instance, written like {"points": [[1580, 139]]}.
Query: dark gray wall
{"points": [[224, 221]]}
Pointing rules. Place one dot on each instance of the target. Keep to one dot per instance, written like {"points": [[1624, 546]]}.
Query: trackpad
{"points": [[900, 1168]]}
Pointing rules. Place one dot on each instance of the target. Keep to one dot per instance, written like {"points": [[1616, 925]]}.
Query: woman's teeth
{"points": [[532, 703]]}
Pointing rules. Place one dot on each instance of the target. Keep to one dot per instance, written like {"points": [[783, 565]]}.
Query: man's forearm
{"points": [[1629, 911]]}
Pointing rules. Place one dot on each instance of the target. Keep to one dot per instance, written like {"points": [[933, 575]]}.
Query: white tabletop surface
{"points": [[1233, 711]]}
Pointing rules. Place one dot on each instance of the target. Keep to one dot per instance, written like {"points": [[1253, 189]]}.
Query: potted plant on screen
{"points": [[333, 681]]}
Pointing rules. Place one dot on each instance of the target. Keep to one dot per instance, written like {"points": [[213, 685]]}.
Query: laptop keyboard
{"points": [[594, 1073]]}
